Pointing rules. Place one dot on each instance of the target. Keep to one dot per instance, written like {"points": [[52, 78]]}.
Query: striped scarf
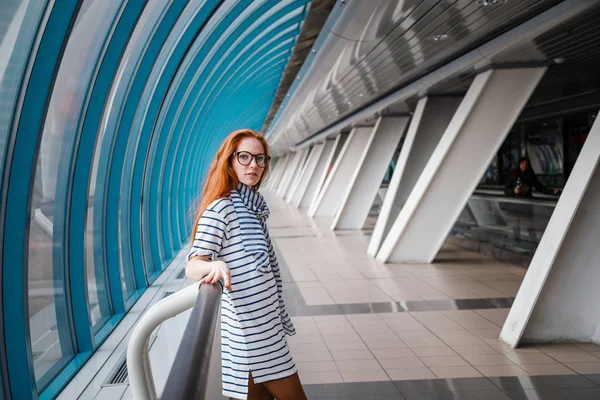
{"points": [[253, 212]]}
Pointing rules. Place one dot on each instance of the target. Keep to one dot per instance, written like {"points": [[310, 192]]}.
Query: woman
{"points": [[232, 244], [523, 179]]}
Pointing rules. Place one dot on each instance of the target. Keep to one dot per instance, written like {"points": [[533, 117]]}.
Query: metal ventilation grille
{"points": [[167, 294], [119, 374], [181, 274]]}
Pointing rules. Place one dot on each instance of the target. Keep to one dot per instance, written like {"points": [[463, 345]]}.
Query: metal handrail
{"points": [[517, 200], [189, 372], [194, 350]]}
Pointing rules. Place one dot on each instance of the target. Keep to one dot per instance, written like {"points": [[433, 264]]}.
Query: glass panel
{"points": [[137, 44], [94, 21], [507, 223], [19, 20], [51, 334]]}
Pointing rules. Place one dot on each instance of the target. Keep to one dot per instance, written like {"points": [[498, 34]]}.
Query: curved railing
{"points": [[189, 373]]}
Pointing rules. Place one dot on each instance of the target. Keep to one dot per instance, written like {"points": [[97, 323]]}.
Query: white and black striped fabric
{"points": [[254, 322]]}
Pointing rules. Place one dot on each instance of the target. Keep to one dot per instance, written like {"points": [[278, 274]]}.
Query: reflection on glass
{"points": [[505, 223], [19, 20], [52, 339]]}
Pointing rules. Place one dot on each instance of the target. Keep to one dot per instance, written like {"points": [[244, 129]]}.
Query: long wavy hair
{"points": [[221, 178]]}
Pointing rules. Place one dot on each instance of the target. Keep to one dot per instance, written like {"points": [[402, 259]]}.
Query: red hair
{"points": [[221, 178]]}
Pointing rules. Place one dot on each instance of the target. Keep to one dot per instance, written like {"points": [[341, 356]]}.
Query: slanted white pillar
{"points": [[482, 121], [320, 174], [304, 153], [274, 170], [306, 174], [278, 173], [290, 170], [429, 121], [559, 297], [369, 172], [337, 182]]}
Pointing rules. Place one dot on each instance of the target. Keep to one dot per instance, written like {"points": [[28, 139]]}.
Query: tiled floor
{"points": [[458, 340], [367, 330]]}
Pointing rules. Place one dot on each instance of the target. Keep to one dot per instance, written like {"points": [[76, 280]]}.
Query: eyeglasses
{"points": [[245, 158]]}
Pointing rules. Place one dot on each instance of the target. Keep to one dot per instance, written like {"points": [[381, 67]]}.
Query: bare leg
{"points": [[288, 388], [257, 391]]}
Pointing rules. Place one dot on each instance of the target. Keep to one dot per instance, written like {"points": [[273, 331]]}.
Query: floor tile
{"points": [[308, 378], [507, 383], [306, 347], [559, 348], [354, 365], [433, 351], [484, 394], [547, 369], [477, 325], [589, 347], [357, 345], [385, 344], [425, 341], [316, 366], [594, 378], [562, 381], [404, 362], [400, 374], [533, 394], [502, 370], [381, 354], [585, 368], [365, 376], [580, 393], [504, 349], [466, 350], [459, 338], [574, 357], [377, 336], [444, 361], [443, 395], [347, 389], [487, 359], [534, 358], [455, 372], [340, 355], [312, 356], [441, 385]]}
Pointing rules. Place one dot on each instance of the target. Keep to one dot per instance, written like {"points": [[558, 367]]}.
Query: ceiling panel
{"points": [[381, 46]]}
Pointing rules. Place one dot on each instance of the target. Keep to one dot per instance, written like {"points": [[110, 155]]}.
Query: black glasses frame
{"points": [[252, 157]]}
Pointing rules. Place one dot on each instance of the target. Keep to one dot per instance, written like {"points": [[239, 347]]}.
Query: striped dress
{"points": [[254, 323]]}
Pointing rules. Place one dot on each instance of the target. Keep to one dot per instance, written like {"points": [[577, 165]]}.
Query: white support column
{"points": [[369, 172], [320, 174], [338, 180], [429, 121], [307, 173], [273, 172], [278, 173], [482, 121], [289, 173], [304, 153], [559, 297]]}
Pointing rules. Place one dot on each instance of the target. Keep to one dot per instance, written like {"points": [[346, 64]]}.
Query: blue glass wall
{"points": [[110, 112]]}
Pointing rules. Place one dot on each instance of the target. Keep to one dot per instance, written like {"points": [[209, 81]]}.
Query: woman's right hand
{"points": [[218, 270]]}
